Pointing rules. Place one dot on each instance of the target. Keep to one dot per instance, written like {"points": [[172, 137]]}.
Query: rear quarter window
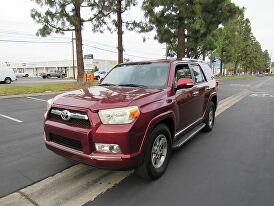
{"points": [[207, 71]]}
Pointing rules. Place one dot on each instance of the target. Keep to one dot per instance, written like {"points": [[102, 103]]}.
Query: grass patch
{"points": [[235, 77], [269, 75], [13, 90]]}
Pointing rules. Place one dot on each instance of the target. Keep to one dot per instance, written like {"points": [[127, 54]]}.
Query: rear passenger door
{"points": [[199, 89]]}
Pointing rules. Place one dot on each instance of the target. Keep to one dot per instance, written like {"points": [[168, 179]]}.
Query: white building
{"points": [[64, 66]]}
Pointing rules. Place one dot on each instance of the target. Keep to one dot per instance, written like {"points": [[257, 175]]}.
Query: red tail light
{"points": [[217, 83]]}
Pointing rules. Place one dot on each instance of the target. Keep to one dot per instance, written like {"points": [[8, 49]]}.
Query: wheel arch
{"points": [[167, 118]]}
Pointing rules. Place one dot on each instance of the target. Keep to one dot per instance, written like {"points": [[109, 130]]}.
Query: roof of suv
{"points": [[165, 60]]}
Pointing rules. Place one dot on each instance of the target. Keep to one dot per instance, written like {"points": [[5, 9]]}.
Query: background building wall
{"points": [[66, 66]]}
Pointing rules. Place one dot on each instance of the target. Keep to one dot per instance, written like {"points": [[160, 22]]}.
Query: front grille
{"points": [[72, 143], [73, 121]]}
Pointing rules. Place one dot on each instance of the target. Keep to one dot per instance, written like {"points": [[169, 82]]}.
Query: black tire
{"points": [[147, 170], [8, 80], [26, 75], [209, 118], [44, 77], [58, 77]]}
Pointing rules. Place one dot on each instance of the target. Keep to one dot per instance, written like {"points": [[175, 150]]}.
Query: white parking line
{"points": [[11, 118], [37, 99]]}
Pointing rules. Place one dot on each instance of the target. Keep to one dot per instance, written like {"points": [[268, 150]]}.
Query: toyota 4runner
{"points": [[138, 114]]}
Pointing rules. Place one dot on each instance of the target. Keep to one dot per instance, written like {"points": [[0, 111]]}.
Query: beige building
{"points": [[64, 66]]}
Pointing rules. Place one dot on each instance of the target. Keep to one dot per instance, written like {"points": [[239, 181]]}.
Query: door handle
{"points": [[195, 93]]}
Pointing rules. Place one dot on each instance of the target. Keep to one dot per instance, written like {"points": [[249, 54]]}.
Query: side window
{"points": [[198, 74], [207, 71], [182, 71]]}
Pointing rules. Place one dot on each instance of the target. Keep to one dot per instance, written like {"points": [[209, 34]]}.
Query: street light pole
{"points": [[73, 65]]}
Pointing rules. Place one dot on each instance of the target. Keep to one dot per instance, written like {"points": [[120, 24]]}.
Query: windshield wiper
{"points": [[108, 84], [131, 85]]}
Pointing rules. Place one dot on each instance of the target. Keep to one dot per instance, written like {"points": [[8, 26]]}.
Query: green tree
{"points": [[176, 21], [66, 15], [266, 60], [117, 23]]}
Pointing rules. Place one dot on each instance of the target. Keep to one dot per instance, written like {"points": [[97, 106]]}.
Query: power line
{"points": [[51, 42], [59, 38], [116, 52], [24, 41]]}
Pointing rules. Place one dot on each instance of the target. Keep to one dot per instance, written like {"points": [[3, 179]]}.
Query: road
{"points": [[36, 81], [232, 165]]}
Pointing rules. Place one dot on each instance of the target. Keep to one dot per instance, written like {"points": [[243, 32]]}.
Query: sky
{"points": [[19, 29]]}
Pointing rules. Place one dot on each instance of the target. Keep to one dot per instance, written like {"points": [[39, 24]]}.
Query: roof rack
{"points": [[184, 59]]}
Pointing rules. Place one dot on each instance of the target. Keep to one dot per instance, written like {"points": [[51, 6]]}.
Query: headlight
{"points": [[124, 115], [49, 104]]}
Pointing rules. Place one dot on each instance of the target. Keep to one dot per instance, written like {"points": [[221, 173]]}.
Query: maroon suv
{"points": [[135, 117]]}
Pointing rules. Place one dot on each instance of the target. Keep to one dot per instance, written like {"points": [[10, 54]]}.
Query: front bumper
{"points": [[128, 138], [111, 161]]}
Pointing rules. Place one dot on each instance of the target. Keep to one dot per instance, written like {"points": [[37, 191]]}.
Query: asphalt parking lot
{"points": [[36, 81], [233, 165], [23, 153]]}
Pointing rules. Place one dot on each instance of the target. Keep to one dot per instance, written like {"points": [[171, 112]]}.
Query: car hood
{"points": [[99, 97]]}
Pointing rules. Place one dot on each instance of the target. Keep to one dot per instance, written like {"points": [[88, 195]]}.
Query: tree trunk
{"points": [[120, 32], [79, 43], [204, 55], [221, 59], [235, 67], [181, 41], [221, 67]]}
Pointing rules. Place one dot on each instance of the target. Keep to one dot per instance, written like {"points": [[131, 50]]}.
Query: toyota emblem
{"points": [[65, 115]]}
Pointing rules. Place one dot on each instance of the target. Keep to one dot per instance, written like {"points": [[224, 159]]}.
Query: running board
{"points": [[187, 136]]}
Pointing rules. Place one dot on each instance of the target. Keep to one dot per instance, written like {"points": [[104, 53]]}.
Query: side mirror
{"points": [[184, 83]]}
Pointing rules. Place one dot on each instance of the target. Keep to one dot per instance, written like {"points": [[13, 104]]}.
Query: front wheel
{"points": [[210, 118], [157, 153]]}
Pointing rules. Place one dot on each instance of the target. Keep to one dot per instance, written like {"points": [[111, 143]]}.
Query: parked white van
{"points": [[7, 75]]}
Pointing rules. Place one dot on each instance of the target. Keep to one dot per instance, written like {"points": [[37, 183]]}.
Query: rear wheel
{"points": [[48, 76], [157, 153], [8, 80], [210, 118]]}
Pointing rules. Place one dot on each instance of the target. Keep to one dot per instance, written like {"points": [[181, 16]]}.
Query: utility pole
{"points": [[73, 65], [166, 52]]}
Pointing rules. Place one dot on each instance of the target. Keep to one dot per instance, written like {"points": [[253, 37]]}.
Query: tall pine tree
{"points": [[65, 15], [176, 21]]}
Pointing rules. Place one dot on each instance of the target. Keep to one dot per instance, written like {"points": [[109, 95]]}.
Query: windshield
{"points": [[151, 75]]}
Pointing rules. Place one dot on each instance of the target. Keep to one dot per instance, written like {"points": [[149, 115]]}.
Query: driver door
{"points": [[184, 99]]}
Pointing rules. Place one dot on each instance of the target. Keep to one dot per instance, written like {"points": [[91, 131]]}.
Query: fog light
{"points": [[107, 148]]}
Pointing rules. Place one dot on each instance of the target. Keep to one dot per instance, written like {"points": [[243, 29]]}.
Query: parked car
{"points": [[51, 74], [7, 76], [21, 74], [99, 75], [138, 114]]}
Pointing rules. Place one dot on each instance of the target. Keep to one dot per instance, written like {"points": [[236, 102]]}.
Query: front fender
{"points": [[156, 120]]}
